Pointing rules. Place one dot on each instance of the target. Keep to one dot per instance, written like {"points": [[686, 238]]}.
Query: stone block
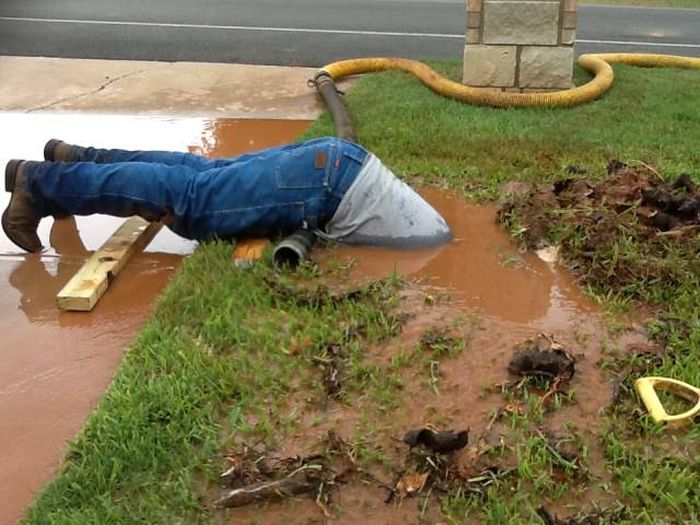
{"points": [[546, 67], [568, 37], [489, 66], [568, 20], [473, 35], [474, 5], [517, 22], [473, 20], [569, 5]]}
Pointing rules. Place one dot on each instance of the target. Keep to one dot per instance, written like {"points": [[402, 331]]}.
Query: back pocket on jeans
{"points": [[303, 168]]}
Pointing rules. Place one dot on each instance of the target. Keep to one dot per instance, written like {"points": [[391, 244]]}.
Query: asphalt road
{"points": [[301, 32]]}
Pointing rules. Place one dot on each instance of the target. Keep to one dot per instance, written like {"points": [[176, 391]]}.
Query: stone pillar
{"points": [[520, 45]]}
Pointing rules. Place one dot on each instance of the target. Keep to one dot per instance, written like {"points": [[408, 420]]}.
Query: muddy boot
{"points": [[56, 150], [19, 220]]}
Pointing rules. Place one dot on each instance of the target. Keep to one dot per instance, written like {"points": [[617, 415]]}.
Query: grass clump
{"points": [[648, 115]]}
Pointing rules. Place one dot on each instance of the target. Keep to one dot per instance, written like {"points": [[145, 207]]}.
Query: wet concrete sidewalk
{"points": [[54, 366]]}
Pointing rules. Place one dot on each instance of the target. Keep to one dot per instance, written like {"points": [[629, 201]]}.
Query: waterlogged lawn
{"points": [[224, 348]]}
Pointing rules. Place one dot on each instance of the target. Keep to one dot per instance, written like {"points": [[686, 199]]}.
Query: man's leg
{"points": [[59, 151], [273, 192], [39, 189]]}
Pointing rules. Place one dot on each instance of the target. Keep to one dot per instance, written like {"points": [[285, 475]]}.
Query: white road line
{"points": [[309, 30], [234, 28], [633, 43]]}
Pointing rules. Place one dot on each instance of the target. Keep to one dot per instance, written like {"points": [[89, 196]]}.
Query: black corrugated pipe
{"points": [[326, 87], [293, 250]]}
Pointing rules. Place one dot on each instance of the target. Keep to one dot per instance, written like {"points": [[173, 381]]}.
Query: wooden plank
{"points": [[247, 251], [88, 285]]}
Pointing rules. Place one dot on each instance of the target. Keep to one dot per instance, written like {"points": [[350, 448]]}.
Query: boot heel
{"points": [[11, 174], [50, 148]]}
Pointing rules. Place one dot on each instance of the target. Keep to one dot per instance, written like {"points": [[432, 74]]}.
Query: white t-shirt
{"points": [[380, 210]]}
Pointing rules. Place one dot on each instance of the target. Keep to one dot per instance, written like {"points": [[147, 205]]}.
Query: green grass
{"points": [[214, 367], [648, 115], [209, 371]]}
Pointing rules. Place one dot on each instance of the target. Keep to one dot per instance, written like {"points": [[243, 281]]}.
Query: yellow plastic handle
{"points": [[646, 387]]}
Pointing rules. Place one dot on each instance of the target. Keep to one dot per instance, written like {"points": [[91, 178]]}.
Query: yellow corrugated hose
{"points": [[597, 64]]}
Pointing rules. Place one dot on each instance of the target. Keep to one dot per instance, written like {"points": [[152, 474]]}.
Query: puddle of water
{"points": [[482, 268], [55, 365]]}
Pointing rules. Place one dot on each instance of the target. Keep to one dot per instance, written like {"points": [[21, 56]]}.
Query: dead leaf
{"points": [[410, 484]]}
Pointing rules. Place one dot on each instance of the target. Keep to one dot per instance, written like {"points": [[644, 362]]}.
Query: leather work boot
{"points": [[19, 220], [56, 150]]}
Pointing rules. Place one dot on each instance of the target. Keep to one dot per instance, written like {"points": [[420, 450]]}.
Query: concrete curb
{"points": [[157, 88]]}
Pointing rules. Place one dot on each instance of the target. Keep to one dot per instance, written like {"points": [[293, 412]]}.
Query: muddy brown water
{"points": [[54, 365]]}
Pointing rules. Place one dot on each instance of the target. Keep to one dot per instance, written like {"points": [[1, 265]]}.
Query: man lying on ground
{"points": [[333, 187]]}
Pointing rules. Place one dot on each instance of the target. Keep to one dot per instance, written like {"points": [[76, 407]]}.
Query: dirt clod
{"points": [[632, 228], [439, 441], [410, 484], [542, 357]]}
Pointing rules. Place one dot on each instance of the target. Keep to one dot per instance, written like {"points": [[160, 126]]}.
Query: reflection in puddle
{"points": [[55, 365]]}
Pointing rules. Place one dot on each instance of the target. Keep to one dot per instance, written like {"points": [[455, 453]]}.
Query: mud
{"points": [[55, 365], [469, 306], [631, 228], [356, 502]]}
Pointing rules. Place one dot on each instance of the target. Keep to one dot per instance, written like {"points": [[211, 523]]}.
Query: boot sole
{"points": [[11, 174], [49, 149]]}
